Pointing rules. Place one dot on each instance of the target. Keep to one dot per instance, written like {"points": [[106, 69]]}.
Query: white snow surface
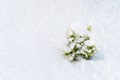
{"points": [[33, 35]]}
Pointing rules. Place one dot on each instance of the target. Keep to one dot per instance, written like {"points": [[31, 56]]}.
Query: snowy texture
{"points": [[33, 32]]}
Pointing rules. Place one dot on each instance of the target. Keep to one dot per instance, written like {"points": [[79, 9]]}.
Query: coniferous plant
{"points": [[77, 47]]}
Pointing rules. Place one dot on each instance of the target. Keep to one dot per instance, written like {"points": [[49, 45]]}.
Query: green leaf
{"points": [[90, 47], [82, 43], [68, 53], [85, 51], [81, 36], [75, 49], [75, 58], [89, 28], [86, 38]]}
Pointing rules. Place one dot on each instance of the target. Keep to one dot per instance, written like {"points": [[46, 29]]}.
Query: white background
{"points": [[33, 32]]}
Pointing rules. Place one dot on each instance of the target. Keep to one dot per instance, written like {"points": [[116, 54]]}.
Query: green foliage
{"points": [[89, 28], [78, 49]]}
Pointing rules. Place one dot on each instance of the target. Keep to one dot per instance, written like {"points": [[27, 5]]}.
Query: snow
{"points": [[33, 33]]}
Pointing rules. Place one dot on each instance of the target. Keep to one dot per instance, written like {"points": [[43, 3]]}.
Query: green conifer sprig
{"points": [[78, 49]]}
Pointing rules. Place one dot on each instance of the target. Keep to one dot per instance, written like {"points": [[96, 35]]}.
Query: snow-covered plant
{"points": [[78, 47]]}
